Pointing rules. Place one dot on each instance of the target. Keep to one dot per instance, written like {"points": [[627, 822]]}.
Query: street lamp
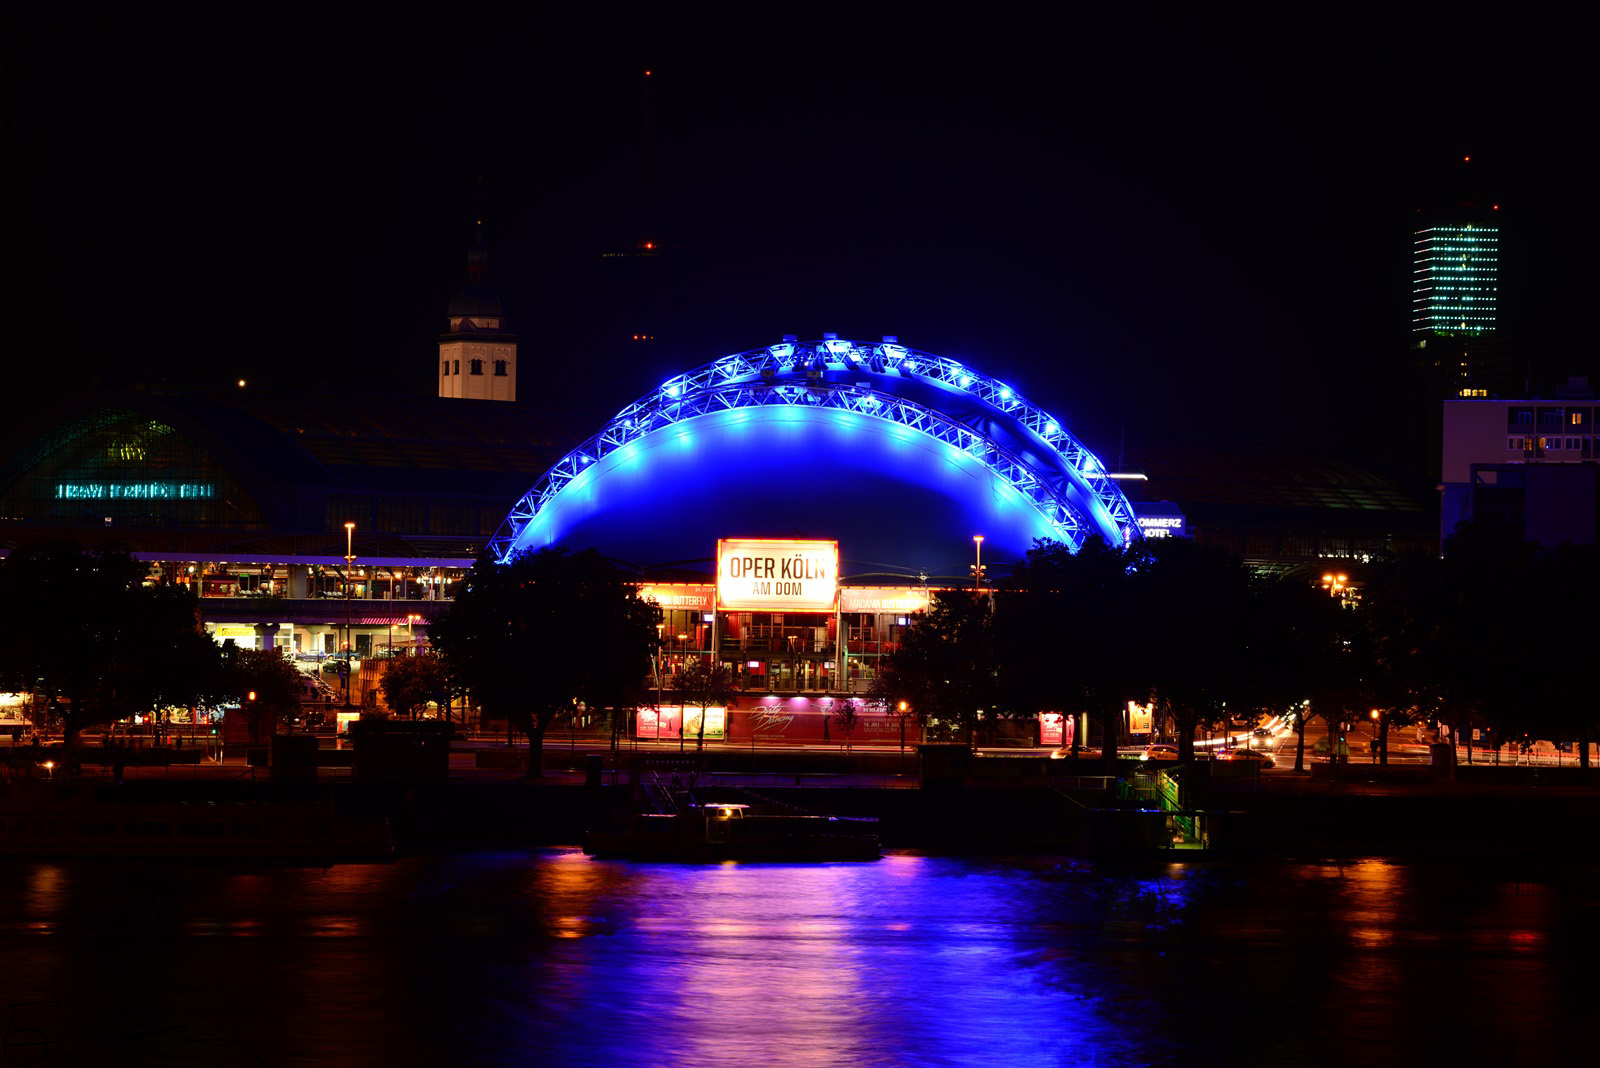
{"points": [[977, 563], [349, 563], [659, 628], [683, 665]]}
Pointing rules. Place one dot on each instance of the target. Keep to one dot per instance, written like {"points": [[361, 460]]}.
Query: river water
{"points": [[554, 958]]}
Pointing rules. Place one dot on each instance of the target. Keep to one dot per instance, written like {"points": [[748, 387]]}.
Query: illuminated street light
{"points": [[349, 563], [659, 628], [977, 563], [683, 665]]}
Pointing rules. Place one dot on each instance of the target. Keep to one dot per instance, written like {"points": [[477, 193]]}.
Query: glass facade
{"points": [[1455, 280], [117, 468]]}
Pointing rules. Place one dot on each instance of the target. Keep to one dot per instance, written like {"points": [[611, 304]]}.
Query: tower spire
{"points": [[477, 357]]}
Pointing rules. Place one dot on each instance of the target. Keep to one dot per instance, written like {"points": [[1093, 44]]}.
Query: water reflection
{"points": [[556, 958]]}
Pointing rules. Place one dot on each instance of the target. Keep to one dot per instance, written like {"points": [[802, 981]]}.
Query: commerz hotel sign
{"points": [[762, 575]]}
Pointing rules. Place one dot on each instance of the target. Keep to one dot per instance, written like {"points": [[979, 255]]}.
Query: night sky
{"points": [[1161, 228]]}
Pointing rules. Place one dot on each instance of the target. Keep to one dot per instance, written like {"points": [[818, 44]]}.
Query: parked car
{"points": [[337, 662], [1159, 752], [1255, 755]]}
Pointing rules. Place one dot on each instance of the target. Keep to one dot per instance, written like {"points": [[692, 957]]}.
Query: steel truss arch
{"points": [[1060, 478]]}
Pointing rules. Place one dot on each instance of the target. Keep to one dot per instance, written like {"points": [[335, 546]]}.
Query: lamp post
{"points": [[977, 563], [659, 628], [904, 710], [349, 563], [683, 665]]}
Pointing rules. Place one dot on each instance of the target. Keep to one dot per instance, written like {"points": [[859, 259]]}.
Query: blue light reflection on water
{"points": [[555, 958]]}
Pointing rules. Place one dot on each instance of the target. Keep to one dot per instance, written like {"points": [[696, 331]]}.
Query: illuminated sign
{"points": [[658, 723], [1161, 526], [767, 575], [1050, 729], [898, 602], [133, 491], [699, 598], [1139, 717], [716, 723], [664, 722]]}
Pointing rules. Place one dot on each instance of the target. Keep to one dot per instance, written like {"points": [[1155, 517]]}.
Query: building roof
{"points": [[1282, 510], [294, 458], [1215, 481]]}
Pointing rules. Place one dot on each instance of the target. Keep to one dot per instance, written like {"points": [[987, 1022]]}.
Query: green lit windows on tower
{"points": [[1455, 280]]}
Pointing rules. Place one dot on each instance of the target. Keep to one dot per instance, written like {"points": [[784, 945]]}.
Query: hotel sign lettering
{"points": [[769, 575], [1162, 526]]}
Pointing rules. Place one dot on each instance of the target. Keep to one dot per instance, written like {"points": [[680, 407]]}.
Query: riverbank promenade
{"points": [[479, 793]]}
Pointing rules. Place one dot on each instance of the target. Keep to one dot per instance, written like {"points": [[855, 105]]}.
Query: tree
{"points": [[1568, 577], [545, 633], [1068, 635], [1200, 622], [90, 628], [946, 667], [410, 682], [703, 686], [275, 682], [848, 717], [1298, 655]]}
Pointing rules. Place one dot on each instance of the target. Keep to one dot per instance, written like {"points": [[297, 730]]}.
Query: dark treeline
{"points": [[98, 641], [1493, 635]]}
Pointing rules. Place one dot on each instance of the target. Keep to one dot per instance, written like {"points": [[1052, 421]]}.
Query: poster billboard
{"points": [[716, 723], [696, 598], [658, 722], [902, 602], [1139, 717], [1050, 730], [773, 575]]}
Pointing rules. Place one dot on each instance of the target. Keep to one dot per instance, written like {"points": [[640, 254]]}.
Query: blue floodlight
{"points": [[1022, 448]]}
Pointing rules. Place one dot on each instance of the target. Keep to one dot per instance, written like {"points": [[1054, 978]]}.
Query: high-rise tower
{"points": [[1456, 284], [477, 358], [1455, 298]]}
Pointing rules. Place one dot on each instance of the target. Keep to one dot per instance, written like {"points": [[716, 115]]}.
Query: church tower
{"points": [[477, 359]]}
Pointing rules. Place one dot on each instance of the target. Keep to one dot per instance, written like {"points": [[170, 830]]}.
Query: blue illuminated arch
{"points": [[1021, 446]]}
